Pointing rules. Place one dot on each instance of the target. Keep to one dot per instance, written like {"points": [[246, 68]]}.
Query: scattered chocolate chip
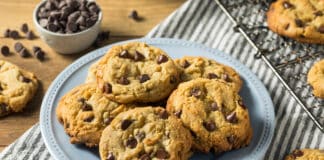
{"points": [[196, 92], [299, 23], [6, 34], [143, 78], [107, 88], [210, 126], [5, 50], [125, 124], [24, 79], [138, 56], [212, 76], [318, 13], [18, 46], [162, 154], [232, 117], [240, 102], [131, 142], [86, 107], [185, 64], [145, 157], [287, 5], [162, 58], [123, 80], [30, 35], [108, 120], [24, 28], [214, 106], [14, 34], [297, 153], [40, 55], [24, 53], [173, 79], [178, 113], [134, 15], [140, 136], [164, 114], [89, 119], [231, 139], [110, 156], [320, 29], [124, 54]]}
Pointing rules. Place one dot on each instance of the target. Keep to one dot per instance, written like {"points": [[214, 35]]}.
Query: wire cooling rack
{"points": [[289, 60]]}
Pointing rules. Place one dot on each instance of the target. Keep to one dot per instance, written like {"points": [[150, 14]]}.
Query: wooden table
{"points": [[13, 13]]}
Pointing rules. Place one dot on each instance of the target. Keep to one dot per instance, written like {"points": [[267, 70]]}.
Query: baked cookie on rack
{"points": [[200, 67], [214, 113], [136, 72], [85, 113], [302, 20], [306, 154], [17, 87], [145, 133], [315, 78]]}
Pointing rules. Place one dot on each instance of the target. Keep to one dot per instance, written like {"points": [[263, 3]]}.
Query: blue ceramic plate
{"points": [[253, 92]]}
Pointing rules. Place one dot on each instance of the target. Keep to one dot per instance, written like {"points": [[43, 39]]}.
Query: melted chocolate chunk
{"points": [[140, 136], [231, 139], [86, 107], [196, 92], [162, 154], [131, 142], [320, 29], [125, 124], [110, 156], [145, 156], [210, 126], [178, 113], [123, 80], [89, 119], [232, 117], [162, 59], [297, 153], [212, 76], [185, 64], [214, 106], [138, 56], [164, 114], [143, 78], [318, 13], [107, 88], [108, 120], [125, 54], [299, 23], [287, 5], [173, 79]]}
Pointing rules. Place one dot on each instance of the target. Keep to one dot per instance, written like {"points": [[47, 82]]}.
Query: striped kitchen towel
{"points": [[203, 21]]}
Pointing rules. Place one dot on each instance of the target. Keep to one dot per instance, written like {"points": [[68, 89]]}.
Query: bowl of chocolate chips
{"points": [[68, 26]]}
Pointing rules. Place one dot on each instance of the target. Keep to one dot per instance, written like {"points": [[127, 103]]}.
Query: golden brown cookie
{"points": [[145, 133], [315, 78], [85, 113], [17, 87], [302, 20], [200, 67], [306, 154], [136, 72], [91, 76], [214, 113]]}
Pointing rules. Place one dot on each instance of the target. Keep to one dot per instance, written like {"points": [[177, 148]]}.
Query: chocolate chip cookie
{"points": [[17, 87], [301, 20], [136, 72], [306, 154], [145, 133], [315, 78], [85, 113], [214, 113], [200, 67]]}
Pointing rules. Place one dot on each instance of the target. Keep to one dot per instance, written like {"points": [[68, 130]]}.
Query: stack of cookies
{"points": [[138, 103]]}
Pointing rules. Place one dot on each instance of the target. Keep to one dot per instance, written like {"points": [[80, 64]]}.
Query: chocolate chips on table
{"points": [[14, 34], [5, 50], [68, 16], [134, 15], [24, 28]]}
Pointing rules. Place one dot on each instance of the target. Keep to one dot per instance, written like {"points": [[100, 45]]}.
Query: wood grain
{"points": [[13, 13]]}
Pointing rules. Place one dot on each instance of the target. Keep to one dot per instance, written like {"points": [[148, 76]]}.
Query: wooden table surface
{"points": [[14, 13]]}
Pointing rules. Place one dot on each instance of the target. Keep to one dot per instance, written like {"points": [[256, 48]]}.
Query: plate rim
{"points": [[268, 128]]}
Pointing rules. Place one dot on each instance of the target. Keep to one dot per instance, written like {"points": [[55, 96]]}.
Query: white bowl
{"points": [[68, 43]]}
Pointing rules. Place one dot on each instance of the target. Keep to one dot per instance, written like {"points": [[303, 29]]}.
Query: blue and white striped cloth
{"points": [[203, 21]]}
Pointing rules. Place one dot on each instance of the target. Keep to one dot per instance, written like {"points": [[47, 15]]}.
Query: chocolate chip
{"points": [[24, 79], [124, 54], [193, 133], [107, 88], [231, 139], [81, 21], [24, 28], [145, 157], [123, 80], [91, 21], [43, 22], [185, 64], [143, 78], [196, 92], [14, 34], [232, 117], [287, 5], [72, 27], [6, 34], [214, 106], [125, 124], [40, 55], [110, 156], [164, 114], [240, 102], [24, 53], [212, 76], [162, 154], [210, 126], [320, 29], [299, 23], [30, 35], [49, 5], [173, 79], [178, 113], [18, 46], [138, 56], [162, 58], [297, 153], [140, 136], [94, 9], [52, 27], [108, 120], [318, 13], [89, 119], [5, 50], [131, 142], [86, 107], [134, 15], [81, 100]]}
